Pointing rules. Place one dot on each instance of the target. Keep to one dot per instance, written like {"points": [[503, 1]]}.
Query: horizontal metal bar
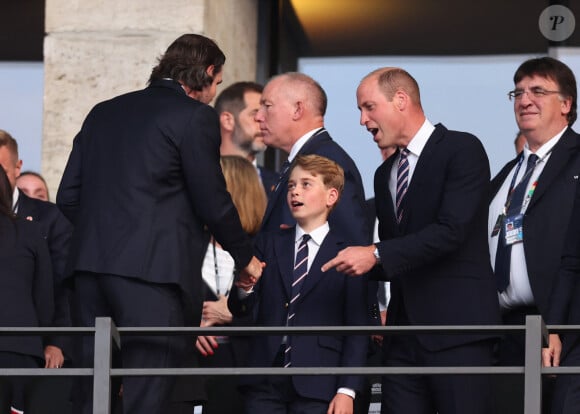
{"points": [[46, 372], [315, 371], [278, 330], [324, 330]]}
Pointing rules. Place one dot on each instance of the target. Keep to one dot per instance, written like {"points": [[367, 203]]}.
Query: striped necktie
{"points": [[402, 181], [299, 275]]}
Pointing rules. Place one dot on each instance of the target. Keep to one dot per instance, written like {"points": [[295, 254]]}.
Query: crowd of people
{"points": [[163, 217]]}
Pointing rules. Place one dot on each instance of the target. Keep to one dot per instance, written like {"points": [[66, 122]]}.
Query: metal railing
{"points": [[107, 341]]}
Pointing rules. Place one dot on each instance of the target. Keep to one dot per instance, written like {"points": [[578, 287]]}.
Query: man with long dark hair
{"points": [[142, 181]]}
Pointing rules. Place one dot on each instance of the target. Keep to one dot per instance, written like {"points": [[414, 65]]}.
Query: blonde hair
{"points": [[247, 192]]}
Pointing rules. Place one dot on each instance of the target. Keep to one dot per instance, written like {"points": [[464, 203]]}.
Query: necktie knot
{"points": [[305, 239], [532, 160]]}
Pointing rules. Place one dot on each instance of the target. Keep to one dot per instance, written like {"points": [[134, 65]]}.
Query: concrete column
{"points": [[97, 49]]}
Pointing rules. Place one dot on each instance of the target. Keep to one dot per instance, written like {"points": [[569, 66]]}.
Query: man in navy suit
{"points": [[545, 101], [142, 181], [431, 204], [294, 292], [291, 117], [236, 106]]}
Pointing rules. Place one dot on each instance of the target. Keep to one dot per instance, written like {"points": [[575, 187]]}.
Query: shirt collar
{"points": [[547, 147], [300, 143], [419, 141], [317, 234]]}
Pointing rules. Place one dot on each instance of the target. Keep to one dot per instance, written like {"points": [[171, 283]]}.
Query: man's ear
{"points": [[227, 121], [210, 69], [298, 110], [401, 100], [18, 168]]}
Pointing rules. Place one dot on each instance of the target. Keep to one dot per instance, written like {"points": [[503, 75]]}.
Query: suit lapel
{"points": [[26, 207], [421, 173], [326, 252], [558, 160], [499, 179], [284, 249], [383, 196]]}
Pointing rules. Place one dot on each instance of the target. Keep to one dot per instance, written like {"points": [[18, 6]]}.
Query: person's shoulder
{"points": [[42, 209]]}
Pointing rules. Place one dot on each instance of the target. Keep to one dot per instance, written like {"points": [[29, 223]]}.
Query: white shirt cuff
{"points": [[347, 391]]}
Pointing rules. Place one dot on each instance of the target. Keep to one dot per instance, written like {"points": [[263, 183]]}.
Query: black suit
{"points": [[26, 300], [56, 230], [563, 305], [545, 224], [53, 393], [142, 181], [349, 216], [547, 215], [438, 264]]}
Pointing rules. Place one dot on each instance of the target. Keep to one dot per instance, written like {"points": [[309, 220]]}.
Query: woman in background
{"points": [[220, 395], [26, 297]]}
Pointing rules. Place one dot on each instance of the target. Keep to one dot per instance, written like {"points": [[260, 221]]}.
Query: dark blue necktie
{"points": [[503, 255], [402, 182], [283, 171], [299, 275]]}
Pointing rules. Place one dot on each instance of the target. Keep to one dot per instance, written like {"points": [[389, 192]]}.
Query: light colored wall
{"points": [[97, 49]]}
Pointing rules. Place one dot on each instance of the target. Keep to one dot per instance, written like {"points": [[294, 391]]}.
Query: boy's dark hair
{"points": [[331, 173]]}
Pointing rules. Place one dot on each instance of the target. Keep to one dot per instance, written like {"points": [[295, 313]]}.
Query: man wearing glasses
{"points": [[531, 204]]}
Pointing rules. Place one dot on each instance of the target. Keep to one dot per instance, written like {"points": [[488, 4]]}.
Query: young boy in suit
{"points": [[293, 291]]}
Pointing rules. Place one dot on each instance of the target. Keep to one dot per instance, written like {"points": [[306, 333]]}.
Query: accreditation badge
{"points": [[514, 229]]}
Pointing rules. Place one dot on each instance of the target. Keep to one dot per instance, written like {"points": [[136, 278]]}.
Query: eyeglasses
{"points": [[536, 92]]}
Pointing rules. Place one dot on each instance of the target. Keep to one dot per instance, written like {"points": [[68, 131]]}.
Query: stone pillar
{"points": [[97, 49]]}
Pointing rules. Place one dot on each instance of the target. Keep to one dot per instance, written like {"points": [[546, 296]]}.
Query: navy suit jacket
{"points": [[26, 286], [437, 258], [269, 179], [142, 181], [548, 214], [56, 230], [326, 299], [349, 216]]}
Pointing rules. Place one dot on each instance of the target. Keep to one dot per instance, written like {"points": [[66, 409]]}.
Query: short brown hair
{"points": [[248, 194], [6, 140], [232, 98], [391, 80], [331, 173]]}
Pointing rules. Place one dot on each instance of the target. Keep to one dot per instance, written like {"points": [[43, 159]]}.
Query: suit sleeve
{"points": [[569, 274], [69, 190], [464, 193], [58, 244], [206, 184], [355, 348], [42, 289]]}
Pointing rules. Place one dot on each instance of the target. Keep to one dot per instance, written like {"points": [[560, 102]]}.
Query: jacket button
{"points": [[286, 305]]}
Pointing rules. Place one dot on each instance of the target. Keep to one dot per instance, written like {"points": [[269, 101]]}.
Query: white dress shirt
{"points": [[519, 291], [415, 148]]}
